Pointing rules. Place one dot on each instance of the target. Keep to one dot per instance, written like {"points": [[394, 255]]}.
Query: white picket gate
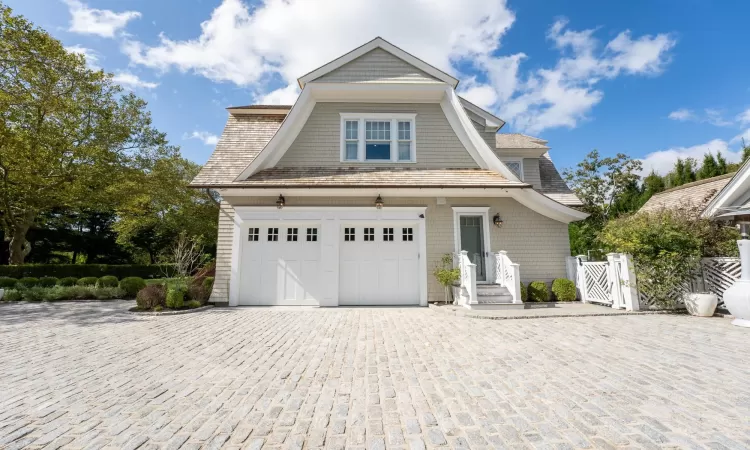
{"points": [[610, 282]]}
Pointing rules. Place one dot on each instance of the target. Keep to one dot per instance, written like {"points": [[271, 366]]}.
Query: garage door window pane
{"points": [[387, 234], [369, 234], [273, 234], [291, 234], [312, 235], [348, 234], [407, 234], [253, 234]]}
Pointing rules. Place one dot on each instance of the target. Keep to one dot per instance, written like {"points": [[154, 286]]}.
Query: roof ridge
{"points": [[696, 183]]}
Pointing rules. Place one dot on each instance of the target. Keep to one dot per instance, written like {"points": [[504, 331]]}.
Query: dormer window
{"points": [[515, 166], [378, 137]]}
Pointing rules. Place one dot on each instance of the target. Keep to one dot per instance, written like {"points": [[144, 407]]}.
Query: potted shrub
{"points": [[446, 275], [701, 304]]}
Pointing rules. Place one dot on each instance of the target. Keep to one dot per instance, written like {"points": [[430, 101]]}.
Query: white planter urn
{"points": [[701, 305], [737, 297]]}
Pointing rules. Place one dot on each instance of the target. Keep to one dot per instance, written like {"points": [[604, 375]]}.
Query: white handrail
{"points": [[468, 277], [508, 275]]}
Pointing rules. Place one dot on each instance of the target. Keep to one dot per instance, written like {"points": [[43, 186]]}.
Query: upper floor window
{"points": [[378, 137], [515, 166]]}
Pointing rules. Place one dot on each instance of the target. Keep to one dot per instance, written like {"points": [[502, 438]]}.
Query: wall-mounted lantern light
{"points": [[280, 202], [497, 220], [379, 202]]}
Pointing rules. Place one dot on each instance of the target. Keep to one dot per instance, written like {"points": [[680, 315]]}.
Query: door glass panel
{"points": [[472, 240]]}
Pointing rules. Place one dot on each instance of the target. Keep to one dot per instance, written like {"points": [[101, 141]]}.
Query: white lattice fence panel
{"points": [[597, 287], [719, 274], [646, 301]]}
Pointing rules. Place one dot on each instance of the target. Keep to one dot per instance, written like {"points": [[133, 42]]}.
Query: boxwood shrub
{"points": [[47, 281], [538, 291], [564, 290], [67, 281], [107, 281], [524, 293], [8, 282], [131, 285], [28, 282], [176, 297], [88, 270], [86, 281]]}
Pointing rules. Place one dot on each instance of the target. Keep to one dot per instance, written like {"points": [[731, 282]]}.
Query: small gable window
{"points": [[515, 166], [378, 137]]}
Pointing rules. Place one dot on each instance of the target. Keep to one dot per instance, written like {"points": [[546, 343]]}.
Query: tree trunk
{"points": [[19, 247]]}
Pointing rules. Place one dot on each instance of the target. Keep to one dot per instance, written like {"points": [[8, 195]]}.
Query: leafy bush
{"points": [[88, 270], [86, 281], [8, 282], [175, 297], [12, 295], [208, 284], [151, 296], [67, 281], [47, 281], [28, 282], [34, 294], [564, 290], [192, 304], [107, 281], [198, 293], [667, 246], [538, 291], [131, 286], [524, 293]]}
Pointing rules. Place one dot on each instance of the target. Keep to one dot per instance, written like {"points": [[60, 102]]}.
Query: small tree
{"points": [[187, 255], [446, 274]]}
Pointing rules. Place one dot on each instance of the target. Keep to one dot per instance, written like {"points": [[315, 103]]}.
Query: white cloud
{"points": [[663, 161], [100, 22], [682, 115], [259, 46], [282, 96], [92, 56], [743, 137], [131, 81], [744, 117], [204, 136]]}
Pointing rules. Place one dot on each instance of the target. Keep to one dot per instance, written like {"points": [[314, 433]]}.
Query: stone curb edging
{"points": [[470, 315], [170, 313]]}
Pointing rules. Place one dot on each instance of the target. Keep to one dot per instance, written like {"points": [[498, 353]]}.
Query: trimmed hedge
{"points": [[86, 281], [538, 291], [88, 270], [51, 294], [67, 281], [8, 282], [28, 282], [564, 290], [131, 286], [47, 282], [107, 281]]}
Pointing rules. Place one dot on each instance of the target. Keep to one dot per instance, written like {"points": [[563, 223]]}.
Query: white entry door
{"points": [[379, 265], [280, 264]]}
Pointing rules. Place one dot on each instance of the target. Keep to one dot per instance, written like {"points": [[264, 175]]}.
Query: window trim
{"points": [[520, 165], [394, 119]]}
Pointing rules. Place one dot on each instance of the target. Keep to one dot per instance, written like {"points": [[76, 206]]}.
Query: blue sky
{"points": [[655, 79]]}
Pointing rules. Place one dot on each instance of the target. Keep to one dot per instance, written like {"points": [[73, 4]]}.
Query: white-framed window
{"points": [[515, 166], [378, 137], [407, 234], [253, 234], [291, 234], [273, 234], [369, 234], [312, 235], [349, 234], [387, 234]]}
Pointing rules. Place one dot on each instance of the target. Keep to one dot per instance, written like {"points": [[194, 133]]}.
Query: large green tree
{"points": [[69, 136]]}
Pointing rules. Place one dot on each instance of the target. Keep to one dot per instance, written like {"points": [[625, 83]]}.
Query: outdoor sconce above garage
{"points": [[497, 220]]}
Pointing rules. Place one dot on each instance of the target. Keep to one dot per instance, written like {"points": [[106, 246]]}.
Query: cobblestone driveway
{"points": [[91, 376]]}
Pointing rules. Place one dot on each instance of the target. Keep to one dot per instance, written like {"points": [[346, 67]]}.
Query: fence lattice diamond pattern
{"points": [[719, 274], [597, 282]]}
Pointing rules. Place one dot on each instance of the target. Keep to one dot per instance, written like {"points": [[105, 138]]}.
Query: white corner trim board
{"points": [[329, 221]]}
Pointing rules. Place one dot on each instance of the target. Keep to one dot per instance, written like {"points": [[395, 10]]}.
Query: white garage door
{"points": [[379, 265], [280, 264]]}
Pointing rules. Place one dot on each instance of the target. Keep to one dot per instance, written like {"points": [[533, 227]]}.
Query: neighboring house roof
{"points": [[734, 197], [369, 177], [243, 138], [697, 194], [518, 141], [553, 185], [382, 44]]}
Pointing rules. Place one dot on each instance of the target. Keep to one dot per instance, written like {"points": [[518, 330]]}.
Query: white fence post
{"points": [[515, 268], [629, 284], [581, 277], [614, 280]]}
